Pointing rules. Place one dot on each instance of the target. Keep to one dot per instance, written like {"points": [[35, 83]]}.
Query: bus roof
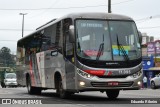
{"points": [[90, 15], [95, 15]]}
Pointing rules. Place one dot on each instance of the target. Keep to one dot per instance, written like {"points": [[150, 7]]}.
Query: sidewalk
{"points": [[149, 88]]}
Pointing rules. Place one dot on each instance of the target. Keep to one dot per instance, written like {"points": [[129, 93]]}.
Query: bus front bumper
{"points": [[102, 84]]}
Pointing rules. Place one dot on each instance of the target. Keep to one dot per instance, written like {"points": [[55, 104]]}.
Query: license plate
{"points": [[113, 84]]}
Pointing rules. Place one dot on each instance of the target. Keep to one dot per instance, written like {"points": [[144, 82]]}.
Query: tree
{"points": [[5, 57]]}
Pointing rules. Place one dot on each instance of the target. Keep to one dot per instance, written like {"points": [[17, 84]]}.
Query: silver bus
{"points": [[81, 52]]}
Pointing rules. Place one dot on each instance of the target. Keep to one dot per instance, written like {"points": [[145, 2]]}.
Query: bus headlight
{"points": [[81, 83], [137, 74], [84, 74]]}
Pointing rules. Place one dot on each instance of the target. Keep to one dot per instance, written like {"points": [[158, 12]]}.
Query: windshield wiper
{"points": [[101, 49], [121, 48]]}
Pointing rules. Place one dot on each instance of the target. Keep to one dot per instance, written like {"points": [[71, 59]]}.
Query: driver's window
{"points": [[68, 47]]}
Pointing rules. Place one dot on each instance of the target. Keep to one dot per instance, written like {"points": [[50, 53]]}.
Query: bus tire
{"points": [[32, 90], [37, 91], [62, 93], [112, 94]]}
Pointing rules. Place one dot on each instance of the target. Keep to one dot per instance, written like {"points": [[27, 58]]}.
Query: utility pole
{"points": [[109, 6], [22, 22]]}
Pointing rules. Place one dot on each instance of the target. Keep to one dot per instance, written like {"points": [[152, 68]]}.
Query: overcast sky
{"points": [[146, 14]]}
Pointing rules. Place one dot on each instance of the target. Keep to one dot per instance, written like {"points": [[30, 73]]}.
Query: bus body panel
{"points": [[70, 75], [48, 65], [102, 83]]}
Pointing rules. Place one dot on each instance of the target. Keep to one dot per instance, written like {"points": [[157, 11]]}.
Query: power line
{"points": [[147, 18], [55, 2], [54, 8], [16, 29], [9, 40], [122, 2], [2, 9], [149, 27]]}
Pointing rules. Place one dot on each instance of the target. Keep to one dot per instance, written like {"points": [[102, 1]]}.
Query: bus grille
{"points": [[119, 76], [106, 84]]}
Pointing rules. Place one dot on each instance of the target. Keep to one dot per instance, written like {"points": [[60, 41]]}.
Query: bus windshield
{"points": [[107, 40]]}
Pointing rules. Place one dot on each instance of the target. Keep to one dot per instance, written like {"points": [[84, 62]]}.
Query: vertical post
{"points": [[22, 25], [109, 6], [22, 22], [155, 60], [157, 46]]}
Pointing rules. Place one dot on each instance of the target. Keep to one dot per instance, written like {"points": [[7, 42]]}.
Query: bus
{"points": [[81, 52]]}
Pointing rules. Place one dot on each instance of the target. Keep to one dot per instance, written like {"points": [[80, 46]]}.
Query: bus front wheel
{"points": [[62, 93], [112, 94]]}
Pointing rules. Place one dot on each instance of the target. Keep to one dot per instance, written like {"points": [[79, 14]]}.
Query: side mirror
{"points": [[54, 52], [140, 37], [71, 34]]}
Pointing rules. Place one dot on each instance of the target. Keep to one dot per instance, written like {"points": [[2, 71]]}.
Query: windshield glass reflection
{"points": [[100, 40]]}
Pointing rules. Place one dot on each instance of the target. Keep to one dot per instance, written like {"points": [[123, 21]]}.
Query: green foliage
{"points": [[6, 59]]}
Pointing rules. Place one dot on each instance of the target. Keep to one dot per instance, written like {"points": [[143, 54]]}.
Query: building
{"points": [[151, 38], [145, 38]]}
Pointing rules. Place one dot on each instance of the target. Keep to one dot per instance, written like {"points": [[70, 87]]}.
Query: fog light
{"points": [[82, 83], [139, 83]]}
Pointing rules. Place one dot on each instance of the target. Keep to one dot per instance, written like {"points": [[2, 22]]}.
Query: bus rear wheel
{"points": [[31, 89], [112, 94]]}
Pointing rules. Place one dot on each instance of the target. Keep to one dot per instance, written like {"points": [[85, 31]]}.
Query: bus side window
{"points": [[58, 38], [45, 44]]}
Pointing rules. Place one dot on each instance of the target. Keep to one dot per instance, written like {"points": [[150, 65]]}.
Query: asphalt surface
{"points": [[85, 99]]}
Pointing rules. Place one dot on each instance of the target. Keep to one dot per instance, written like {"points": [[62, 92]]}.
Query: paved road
{"points": [[86, 99]]}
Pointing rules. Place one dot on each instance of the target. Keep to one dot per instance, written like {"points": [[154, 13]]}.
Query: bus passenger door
{"points": [[69, 61]]}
